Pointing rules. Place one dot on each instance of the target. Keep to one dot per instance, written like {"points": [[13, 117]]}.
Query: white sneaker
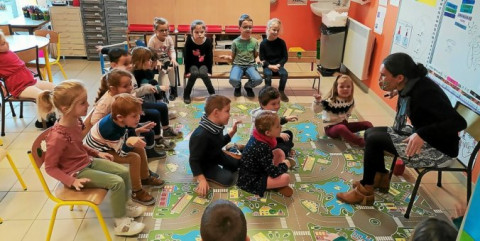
{"points": [[134, 211], [127, 227]]}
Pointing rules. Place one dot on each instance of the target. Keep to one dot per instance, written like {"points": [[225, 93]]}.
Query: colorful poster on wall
{"points": [[432, 3], [297, 2], [402, 34]]}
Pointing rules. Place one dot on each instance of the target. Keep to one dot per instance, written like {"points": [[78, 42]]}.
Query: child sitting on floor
{"points": [[207, 160], [223, 220], [269, 99], [259, 170], [78, 166], [337, 107], [110, 134]]}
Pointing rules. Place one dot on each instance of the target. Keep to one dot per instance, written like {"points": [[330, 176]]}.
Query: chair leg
{"points": [[20, 179], [414, 193], [12, 109], [439, 180], [3, 119], [392, 167], [469, 185], [21, 109], [63, 71], [101, 221], [52, 221], [1, 220]]}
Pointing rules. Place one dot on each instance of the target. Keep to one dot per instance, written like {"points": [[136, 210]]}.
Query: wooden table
{"points": [[26, 23], [22, 42]]}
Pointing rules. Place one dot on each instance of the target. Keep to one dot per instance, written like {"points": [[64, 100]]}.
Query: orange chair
{"points": [[64, 196]]}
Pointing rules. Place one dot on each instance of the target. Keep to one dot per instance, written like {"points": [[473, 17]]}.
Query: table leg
{"points": [[47, 63]]}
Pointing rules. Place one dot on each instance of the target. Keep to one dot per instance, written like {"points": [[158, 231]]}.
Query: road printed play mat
{"points": [[325, 167]]}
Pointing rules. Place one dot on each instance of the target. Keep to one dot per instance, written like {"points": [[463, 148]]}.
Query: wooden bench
{"points": [[223, 71]]}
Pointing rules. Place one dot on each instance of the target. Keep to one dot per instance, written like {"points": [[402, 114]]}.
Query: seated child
{"points": [[244, 56], [269, 99], [207, 160], [20, 82], [163, 44], [259, 170], [337, 107], [223, 220], [79, 166], [110, 134]]}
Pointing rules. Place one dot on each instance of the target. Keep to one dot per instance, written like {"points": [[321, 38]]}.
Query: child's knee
{"points": [[285, 179]]}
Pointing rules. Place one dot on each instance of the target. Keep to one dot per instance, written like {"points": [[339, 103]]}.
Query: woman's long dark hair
{"points": [[402, 63]]}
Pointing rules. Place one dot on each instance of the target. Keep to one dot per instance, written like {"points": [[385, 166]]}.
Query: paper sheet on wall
{"points": [[380, 19], [395, 3], [382, 2]]}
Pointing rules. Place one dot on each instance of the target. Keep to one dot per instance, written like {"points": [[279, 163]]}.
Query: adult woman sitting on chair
{"points": [[19, 79], [433, 140]]}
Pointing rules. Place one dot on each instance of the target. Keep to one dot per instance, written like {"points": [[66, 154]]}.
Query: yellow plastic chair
{"points": [[65, 196], [4, 153], [54, 39]]}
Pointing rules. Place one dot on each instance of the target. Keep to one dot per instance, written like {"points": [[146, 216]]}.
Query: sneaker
{"points": [[143, 197], [283, 96], [171, 97], [164, 145], [152, 153], [187, 100], [153, 181], [171, 133], [237, 92], [172, 115], [127, 227], [134, 211], [39, 124], [286, 191], [250, 92], [153, 174]]}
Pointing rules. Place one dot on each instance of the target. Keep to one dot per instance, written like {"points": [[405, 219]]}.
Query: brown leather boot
{"points": [[286, 191], [362, 195], [381, 181]]}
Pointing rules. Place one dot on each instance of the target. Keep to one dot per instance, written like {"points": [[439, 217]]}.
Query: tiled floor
{"points": [[26, 214]]}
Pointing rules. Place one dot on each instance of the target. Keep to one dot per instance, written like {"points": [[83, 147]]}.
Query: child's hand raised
{"points": [[136, 141], [234, 127], [145, 128], [317, 97], [78, 183], [291, 118], [106, 156]]}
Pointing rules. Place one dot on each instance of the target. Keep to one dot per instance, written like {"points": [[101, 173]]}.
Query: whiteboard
{"points": [[456, 56], [416, 28]]}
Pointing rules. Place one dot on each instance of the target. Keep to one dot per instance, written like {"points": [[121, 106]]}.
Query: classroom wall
{"points": [[301, 27], [365, 14]]}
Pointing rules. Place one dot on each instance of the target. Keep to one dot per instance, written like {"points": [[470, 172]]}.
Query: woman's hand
{"points": [[202, 187], [78, 183], [285, 136], [414, 144], [106, 156]]}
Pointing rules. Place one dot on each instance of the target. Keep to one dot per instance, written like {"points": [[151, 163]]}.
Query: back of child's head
{"points": [[333, 93], [126, 104], [115, 54], [140, 55], [222, 220], [265, 121], [112, 78], [434, 229], [159, 21], [215, 102], [154, 57], [64, 94], [244, 17], [196, 23], [266, 94]]}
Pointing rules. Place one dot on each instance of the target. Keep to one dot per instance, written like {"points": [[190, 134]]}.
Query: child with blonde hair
{"points": [[78, 166], [336, 108], [163, 44], [20, 81], [111, 134], [259, 170], [198, 59], [274, 55]]}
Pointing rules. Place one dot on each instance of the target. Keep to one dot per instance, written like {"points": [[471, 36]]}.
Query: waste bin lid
{"points": [[335, 19], [331, 30]]}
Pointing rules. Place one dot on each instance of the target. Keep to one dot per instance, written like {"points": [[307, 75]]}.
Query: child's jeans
{"points": [[282, 72], [137, 164], [347, 130], [112, 176], [223, 175], [196, 73], [239, 70], [155, 112]]}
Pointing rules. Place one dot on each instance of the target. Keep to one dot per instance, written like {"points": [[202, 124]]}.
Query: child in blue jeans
{"points": [[245, 56]]}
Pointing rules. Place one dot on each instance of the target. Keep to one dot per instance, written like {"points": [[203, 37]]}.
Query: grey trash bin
{"points": [[331, 49]]}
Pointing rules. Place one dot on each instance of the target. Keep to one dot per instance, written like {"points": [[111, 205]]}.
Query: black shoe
{"points": [[152, 153], [283, 96], [250, 92], [187, 100], [38, 124], [237, 92], [171, 97], [153, 174]]}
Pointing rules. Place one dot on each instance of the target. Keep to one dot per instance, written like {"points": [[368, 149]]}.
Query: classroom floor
{"points": [[26, 214]]}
